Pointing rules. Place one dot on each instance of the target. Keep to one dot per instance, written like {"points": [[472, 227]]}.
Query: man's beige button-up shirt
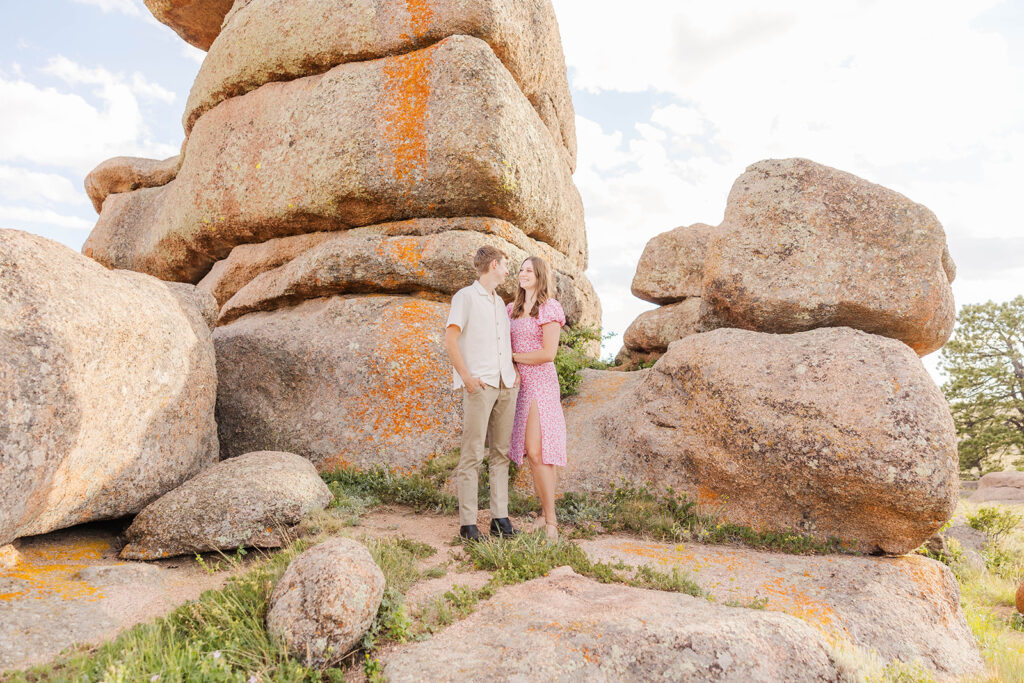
{"points": [[485, 341]]}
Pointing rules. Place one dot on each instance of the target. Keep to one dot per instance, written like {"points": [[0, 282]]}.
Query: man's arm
{"points": [[552, 333], [451, 345]]}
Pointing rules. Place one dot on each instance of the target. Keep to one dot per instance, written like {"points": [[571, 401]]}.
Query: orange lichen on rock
{"points": [[785, 597], [406, 363], [46, 571], [421, 15], [407, 251], [405, 97]]}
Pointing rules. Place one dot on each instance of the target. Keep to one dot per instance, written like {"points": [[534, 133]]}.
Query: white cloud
{"points": [[129, 7], [14, 216], [23, 185], [193, 53], [43, 125], [910, 95]]}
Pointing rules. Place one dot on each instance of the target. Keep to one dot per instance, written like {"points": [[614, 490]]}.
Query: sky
{"points": [[673, 99]]}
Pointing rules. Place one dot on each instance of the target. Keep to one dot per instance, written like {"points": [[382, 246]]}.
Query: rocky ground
{"points": [[69, 587]]}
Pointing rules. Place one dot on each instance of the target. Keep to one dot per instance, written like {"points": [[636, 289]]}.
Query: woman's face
{"points": [[527, 276]]}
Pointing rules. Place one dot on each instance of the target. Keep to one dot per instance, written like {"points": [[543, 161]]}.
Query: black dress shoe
{"points": [[470, 533], [502, 528]]}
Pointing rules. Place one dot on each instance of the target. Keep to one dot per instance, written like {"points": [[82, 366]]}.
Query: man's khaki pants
{"points": [[486, 413]]}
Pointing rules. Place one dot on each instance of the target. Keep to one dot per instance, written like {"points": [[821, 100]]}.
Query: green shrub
{"points": [[995, 520], [572, 358]]}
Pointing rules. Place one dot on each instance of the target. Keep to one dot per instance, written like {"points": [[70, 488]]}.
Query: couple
{"points": [[503, 361]]}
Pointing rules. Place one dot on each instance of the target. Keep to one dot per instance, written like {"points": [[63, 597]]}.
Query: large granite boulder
{"points": [[442, 131], [370, 260], [835, 433], [567, 627], [263, 41], [357, 380], [325, 601], [672, 265], [901, 609], [805, 246], [1000, 487], [107, 387], [654, 330], [248, 501], [124, 174], [196, 21], [246, 261]]}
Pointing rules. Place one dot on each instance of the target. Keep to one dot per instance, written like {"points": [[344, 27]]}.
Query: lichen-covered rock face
{"points": [[248, 501], [672, 265], [325, 601], [107, 387], [360, 380], [834, 433], [1000, 487], [442, 131], [567, 627], [804, 246], [124, 174], [901, 609], [370, 260], [197, 21], [263, 41]]}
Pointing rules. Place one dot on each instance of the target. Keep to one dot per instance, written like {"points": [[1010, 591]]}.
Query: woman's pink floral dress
{"points": [[539, 383]]}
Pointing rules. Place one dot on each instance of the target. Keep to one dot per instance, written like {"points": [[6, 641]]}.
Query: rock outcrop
{"points": [[124, 174], [338, 151], [359, 380], [672, 266], [901, 609], [369, 259], [1000, 487], [835, 433], [312, 36], [804, 246], [107, 387], [567, 627], [654, 330], [196, 21], [325, 601], [248, 501], [443, 131], [1019, 598]]}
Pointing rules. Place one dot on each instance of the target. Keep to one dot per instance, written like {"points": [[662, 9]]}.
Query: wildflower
{"points": [[215, 654]]}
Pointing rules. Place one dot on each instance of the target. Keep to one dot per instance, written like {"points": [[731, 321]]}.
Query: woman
{"points": [[538, 428]]}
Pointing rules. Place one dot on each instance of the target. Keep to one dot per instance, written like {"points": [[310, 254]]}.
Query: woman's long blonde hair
{"points": [[545, 287]]}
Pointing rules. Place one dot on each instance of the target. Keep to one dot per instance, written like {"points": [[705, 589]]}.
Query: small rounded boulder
{"points": [[325, 601]]}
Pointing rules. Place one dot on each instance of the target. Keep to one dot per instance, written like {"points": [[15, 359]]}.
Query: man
{"points": [[480, 348]]}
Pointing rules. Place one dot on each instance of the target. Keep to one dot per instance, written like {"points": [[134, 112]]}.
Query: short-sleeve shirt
{"points": [[485, 340]]}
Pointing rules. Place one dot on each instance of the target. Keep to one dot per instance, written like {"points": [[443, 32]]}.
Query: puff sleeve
{"points": [[551, 311]]}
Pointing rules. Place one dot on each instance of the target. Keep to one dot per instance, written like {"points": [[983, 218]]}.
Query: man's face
{"points": [[501, 270]]}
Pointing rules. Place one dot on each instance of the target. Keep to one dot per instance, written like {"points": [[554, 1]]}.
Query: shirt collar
{"points": [[480, 288]]}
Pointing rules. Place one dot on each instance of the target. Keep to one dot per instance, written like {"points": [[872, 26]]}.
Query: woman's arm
{"points": [[552, 332]]}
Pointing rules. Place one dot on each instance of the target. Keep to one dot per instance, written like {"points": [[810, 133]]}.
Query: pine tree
{"points": [[985, 365]]}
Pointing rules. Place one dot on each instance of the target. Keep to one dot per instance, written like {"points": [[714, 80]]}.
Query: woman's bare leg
{"points": [[543, 475]]}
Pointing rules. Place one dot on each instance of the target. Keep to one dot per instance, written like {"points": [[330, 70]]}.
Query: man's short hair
{"points": [[484, 256]]}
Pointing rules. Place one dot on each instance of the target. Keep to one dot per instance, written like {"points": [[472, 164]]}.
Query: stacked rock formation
{"points": [[816, 415], [802, 246], [344, 159]]}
